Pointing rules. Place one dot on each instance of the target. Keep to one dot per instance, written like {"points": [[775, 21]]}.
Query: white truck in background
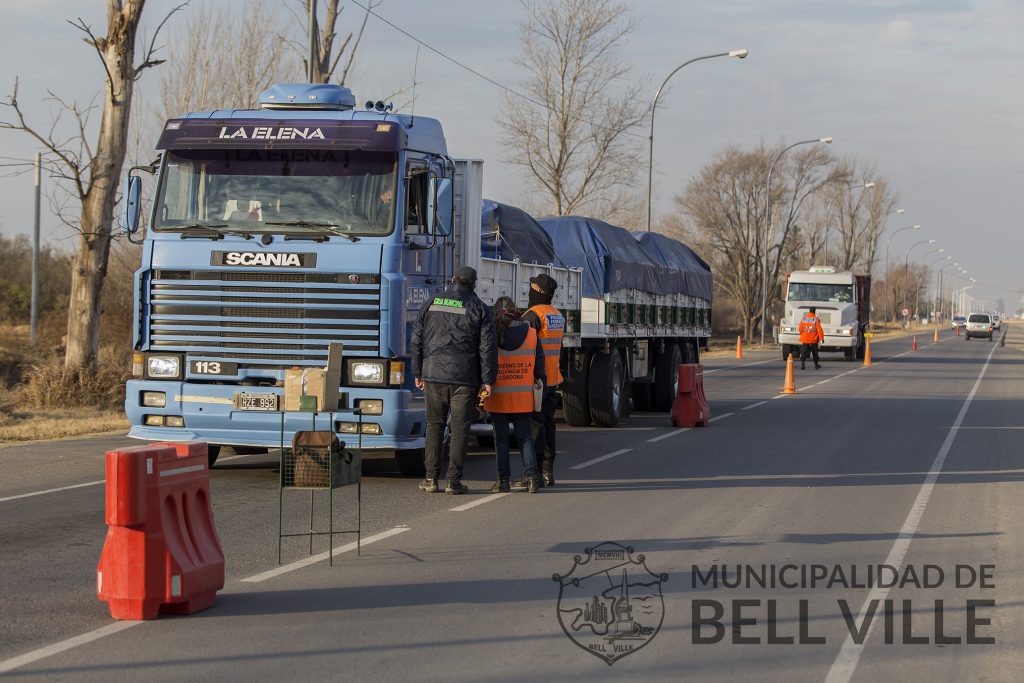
{"points": [[842, 301]]}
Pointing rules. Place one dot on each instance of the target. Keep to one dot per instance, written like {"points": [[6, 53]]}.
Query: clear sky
{"points": [[929, 90]]}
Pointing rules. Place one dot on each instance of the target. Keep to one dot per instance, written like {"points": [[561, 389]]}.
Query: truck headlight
{"points": [[163, 367], [154, 399], [788, 328], [367, 372], [370, 406]]}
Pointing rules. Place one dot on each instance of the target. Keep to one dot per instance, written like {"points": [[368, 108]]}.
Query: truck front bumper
{"points": [[209, 415], [832, 341]]}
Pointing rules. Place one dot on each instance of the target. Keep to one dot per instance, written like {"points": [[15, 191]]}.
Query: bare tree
{"points": [[92, 170], [573, 133], [327, 59], [222, 59], [726, 203]]}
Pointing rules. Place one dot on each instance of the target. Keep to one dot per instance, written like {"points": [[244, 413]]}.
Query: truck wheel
{"points": [[627, 391], [849, 354], [212, 451], [666, 378], [787, 349], [576, 396], [860, 348], [606, 389], [689, 354], [410, 462]]}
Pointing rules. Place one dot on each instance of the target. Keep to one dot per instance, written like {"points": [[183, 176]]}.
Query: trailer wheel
{"points": [[666, 378], [850, 354], [627, 391], [576, 396], [212, 451], [788, 349], [689, 354], [606, 389], [410, 462]]}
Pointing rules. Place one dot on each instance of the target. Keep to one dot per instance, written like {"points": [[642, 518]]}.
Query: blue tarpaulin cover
{"points": [[508, 232], [612, 258], [609, 256], [692, 275]]}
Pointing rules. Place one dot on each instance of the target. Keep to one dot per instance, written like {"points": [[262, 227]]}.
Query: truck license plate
{"points": [[256, 401]]}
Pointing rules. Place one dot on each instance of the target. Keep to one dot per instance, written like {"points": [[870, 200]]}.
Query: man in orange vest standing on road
{"points": [[811, 335], [550, 326]]}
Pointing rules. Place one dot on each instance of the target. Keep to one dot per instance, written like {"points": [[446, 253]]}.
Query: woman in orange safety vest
{"points": [[520, 371], [811, 335]]}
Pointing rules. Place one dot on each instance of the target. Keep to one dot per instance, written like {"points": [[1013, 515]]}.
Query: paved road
{"points": [[913, 463]]}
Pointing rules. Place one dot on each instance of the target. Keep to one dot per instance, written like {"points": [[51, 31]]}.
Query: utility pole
{"points": [[313, 51], [34, 315]]}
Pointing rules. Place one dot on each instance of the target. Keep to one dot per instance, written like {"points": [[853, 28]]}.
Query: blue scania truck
{"points": [[278, 231]]}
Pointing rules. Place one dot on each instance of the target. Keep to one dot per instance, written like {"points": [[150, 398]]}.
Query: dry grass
{"points": [[58, 424]]}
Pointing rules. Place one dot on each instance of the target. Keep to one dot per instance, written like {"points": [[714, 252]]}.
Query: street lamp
{"points": [[885, 312], [906, 270], [739, 54], [768, 226], [855, 186]]}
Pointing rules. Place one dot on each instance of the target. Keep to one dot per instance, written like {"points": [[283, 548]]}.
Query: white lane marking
{"points": [[753, 405], [588, 463], [824, 381], [313, 559], [720, 417], [478, 501], [846, 661], [57, 490], [733, 367], [57, 648], [668, 434]]}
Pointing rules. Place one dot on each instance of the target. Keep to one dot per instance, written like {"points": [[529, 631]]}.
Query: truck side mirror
{"points": [[440, 206], [778, 291], [131, 207]]}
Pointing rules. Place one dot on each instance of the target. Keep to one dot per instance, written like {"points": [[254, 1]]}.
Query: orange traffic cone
{"points": [[935, 339], [914, 347], [739, 347], [790, 386], [867, 350]]}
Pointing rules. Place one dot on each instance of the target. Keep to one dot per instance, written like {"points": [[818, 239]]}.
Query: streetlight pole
{"points": [[885, 312], [937, 299], [739, 54], [906, 267], [768, 226], [832, 201]]}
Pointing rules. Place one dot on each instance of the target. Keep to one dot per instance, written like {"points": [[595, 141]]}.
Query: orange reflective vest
{"points": [[810, 330], [552, 327], [513, 390]]}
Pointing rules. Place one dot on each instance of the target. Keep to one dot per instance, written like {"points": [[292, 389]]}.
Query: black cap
{"points": [[545, 282], [811, 309], [466, 274]]}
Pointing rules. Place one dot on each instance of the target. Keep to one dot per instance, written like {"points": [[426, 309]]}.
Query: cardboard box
{"points": [[321, 383]]}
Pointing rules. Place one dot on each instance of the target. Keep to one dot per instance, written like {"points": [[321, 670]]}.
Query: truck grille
{"points": [[266, 320]]}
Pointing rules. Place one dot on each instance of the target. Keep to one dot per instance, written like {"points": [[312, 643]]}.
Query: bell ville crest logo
{"points": [[609, 603]]}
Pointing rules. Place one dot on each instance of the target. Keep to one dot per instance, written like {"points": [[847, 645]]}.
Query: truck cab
{"points": [[841, 301], [275, 232]]}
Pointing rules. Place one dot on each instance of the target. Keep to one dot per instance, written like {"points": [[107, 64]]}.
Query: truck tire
{"points": [[626, 403], [410, 462], [606, 389], [666, 378], [860, 348], [576, 396], [850, 354], [689, 353], [212, 451], [788, 349]]}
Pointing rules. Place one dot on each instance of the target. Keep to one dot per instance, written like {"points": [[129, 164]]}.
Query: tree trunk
{"points": [[117, 50]]}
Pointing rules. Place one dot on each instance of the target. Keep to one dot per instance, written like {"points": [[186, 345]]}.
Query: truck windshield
{"points": [[285, 190], [816, 291]]}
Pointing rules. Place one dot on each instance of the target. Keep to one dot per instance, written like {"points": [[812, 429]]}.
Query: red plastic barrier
{"points": [[161, 553], [690, 407]]}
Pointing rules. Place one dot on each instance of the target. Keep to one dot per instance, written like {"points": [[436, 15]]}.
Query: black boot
{"points": [[455, 488], [501, 486], [547, 472], [534, 484]]}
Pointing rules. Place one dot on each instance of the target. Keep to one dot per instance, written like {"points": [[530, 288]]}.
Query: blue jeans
{"points": [[521, 426]]}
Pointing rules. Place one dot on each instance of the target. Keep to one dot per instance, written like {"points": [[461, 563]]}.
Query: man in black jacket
{"points": [[454, 360]]}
